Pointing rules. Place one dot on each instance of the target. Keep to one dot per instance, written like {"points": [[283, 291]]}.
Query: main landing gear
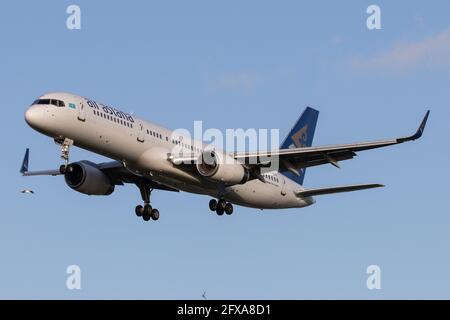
{"points": [[221, 206], [146, 211]]}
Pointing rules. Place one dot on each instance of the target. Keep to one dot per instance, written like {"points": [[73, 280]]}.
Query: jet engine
{"points": [[87, 178], [230, 172]]}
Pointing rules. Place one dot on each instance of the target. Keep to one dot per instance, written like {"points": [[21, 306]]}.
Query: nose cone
{"points": [[34, 116]]}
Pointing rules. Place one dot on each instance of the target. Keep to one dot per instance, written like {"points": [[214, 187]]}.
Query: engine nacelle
{"points": [[86, 178], [211, 165]]}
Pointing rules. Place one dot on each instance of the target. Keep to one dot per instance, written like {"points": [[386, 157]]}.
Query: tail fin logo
{"points": [[300, 138]]}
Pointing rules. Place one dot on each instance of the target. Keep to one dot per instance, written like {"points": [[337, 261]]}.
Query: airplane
{"points": [[143, 154]]}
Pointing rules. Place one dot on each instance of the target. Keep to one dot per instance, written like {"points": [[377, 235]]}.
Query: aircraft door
{"points": [[283, 186], [141, 133], [81, 112]]}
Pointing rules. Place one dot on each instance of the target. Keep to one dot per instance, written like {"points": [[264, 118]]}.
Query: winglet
{"points": [[24, 167], [419, 131]]}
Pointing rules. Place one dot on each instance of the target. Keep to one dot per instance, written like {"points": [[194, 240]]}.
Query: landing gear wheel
{"points": [[147, 212], [155, 214], [146, 217], [228, 208], [139, 210], [221, 207], [213, 204], [148, 209], [221, 204]]}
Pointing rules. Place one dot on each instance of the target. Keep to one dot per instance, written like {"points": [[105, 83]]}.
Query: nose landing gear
{"points": [[65, 144], [221, 206]]}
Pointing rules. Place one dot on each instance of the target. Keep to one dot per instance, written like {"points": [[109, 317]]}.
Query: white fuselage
{"points": [[143, 147]]}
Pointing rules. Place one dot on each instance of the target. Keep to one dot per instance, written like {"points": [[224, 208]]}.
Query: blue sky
{"points": [[233, 64]]}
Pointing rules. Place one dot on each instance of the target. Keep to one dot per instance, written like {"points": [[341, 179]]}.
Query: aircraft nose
{"points": [[33, 116]]}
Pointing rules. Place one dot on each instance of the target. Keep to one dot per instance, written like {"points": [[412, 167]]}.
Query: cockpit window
{"points": [[54, 102]]}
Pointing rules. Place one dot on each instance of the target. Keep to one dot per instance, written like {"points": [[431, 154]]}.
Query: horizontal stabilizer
{"points": [[329, 190]]}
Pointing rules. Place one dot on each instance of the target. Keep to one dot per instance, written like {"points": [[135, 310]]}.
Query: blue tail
{"points": [[301, 135]]}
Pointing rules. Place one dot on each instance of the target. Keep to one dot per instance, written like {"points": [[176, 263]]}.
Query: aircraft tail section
{"points": [[301, 135], [339, 189]]}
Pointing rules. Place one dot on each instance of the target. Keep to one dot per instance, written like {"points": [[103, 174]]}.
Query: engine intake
{"points": [[230, 172], [87, 178]]}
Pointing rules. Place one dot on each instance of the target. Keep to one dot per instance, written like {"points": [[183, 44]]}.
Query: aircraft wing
{"points": [[115, 170], [24, 168], [296, 158]]}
